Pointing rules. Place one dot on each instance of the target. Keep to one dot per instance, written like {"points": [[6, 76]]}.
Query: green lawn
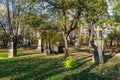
{"points": [[31, 66]]}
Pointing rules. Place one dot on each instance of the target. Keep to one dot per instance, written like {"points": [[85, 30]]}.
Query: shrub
{"points": [[70, 63]]}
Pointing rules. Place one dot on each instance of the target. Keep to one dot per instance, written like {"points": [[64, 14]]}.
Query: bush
{"points": [[70, 63]]}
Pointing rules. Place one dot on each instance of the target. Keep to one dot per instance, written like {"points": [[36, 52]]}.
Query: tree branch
{"points": [[75, 26], [4, 30]]}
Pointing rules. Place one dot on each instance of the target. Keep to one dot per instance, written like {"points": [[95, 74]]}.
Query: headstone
{"points": [[11, 51], [39, 45], [47, 51], [76, 42], [58, 48], [24, 41], [12, 47]]}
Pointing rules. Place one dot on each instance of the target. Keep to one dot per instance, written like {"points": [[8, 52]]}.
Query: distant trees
{"points": [[10, 19], [115, 21], [116, 10], [55, 16], [114, 36]]}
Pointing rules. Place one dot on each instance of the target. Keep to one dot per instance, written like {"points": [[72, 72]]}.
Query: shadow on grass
{"points": [[85, 75], [42, 67], [52, 68], [26, 54], [30, 68], [37, 68], [83, 50], [4, 54], [109, 56]]}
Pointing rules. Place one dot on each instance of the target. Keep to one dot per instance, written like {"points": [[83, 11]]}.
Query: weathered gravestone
{"points": [[12, 51], [24, 41], [39, 46], [47, 49], [58, 48]]}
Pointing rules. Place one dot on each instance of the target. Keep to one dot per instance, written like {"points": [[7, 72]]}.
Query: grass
{"points": [[31, 66], [3, 54]]}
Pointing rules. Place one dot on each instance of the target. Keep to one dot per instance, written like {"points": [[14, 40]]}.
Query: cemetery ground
{"points": [[30, 65]]}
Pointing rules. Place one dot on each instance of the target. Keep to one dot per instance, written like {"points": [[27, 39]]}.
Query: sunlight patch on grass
{"points": [[3, 54]]}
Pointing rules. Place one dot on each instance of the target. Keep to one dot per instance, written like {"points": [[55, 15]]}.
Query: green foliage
{"points": [[2, 37], [115, 34], [51, 36], [28, 32], [116, 10], [95, 10], [70, 63]]}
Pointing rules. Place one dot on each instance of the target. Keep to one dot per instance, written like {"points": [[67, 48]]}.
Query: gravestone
{"points": [[10, 51], [39, 46], [12, 47], [47, 49], [58, 48], [24, 41]]}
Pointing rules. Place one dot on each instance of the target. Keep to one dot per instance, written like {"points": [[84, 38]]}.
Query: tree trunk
{"points": [[8, 17], [98, 54], [118, 43], [98, 47], [95, 53], [90, 33], [66, 46], [15, 45], [111, 41], [89, 37]]}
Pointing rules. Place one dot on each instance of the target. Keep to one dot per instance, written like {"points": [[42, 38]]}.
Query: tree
{"points": [[93, 12], [114, 36], [34, 16], [67, 17], [11, 20], [116, 10]]}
